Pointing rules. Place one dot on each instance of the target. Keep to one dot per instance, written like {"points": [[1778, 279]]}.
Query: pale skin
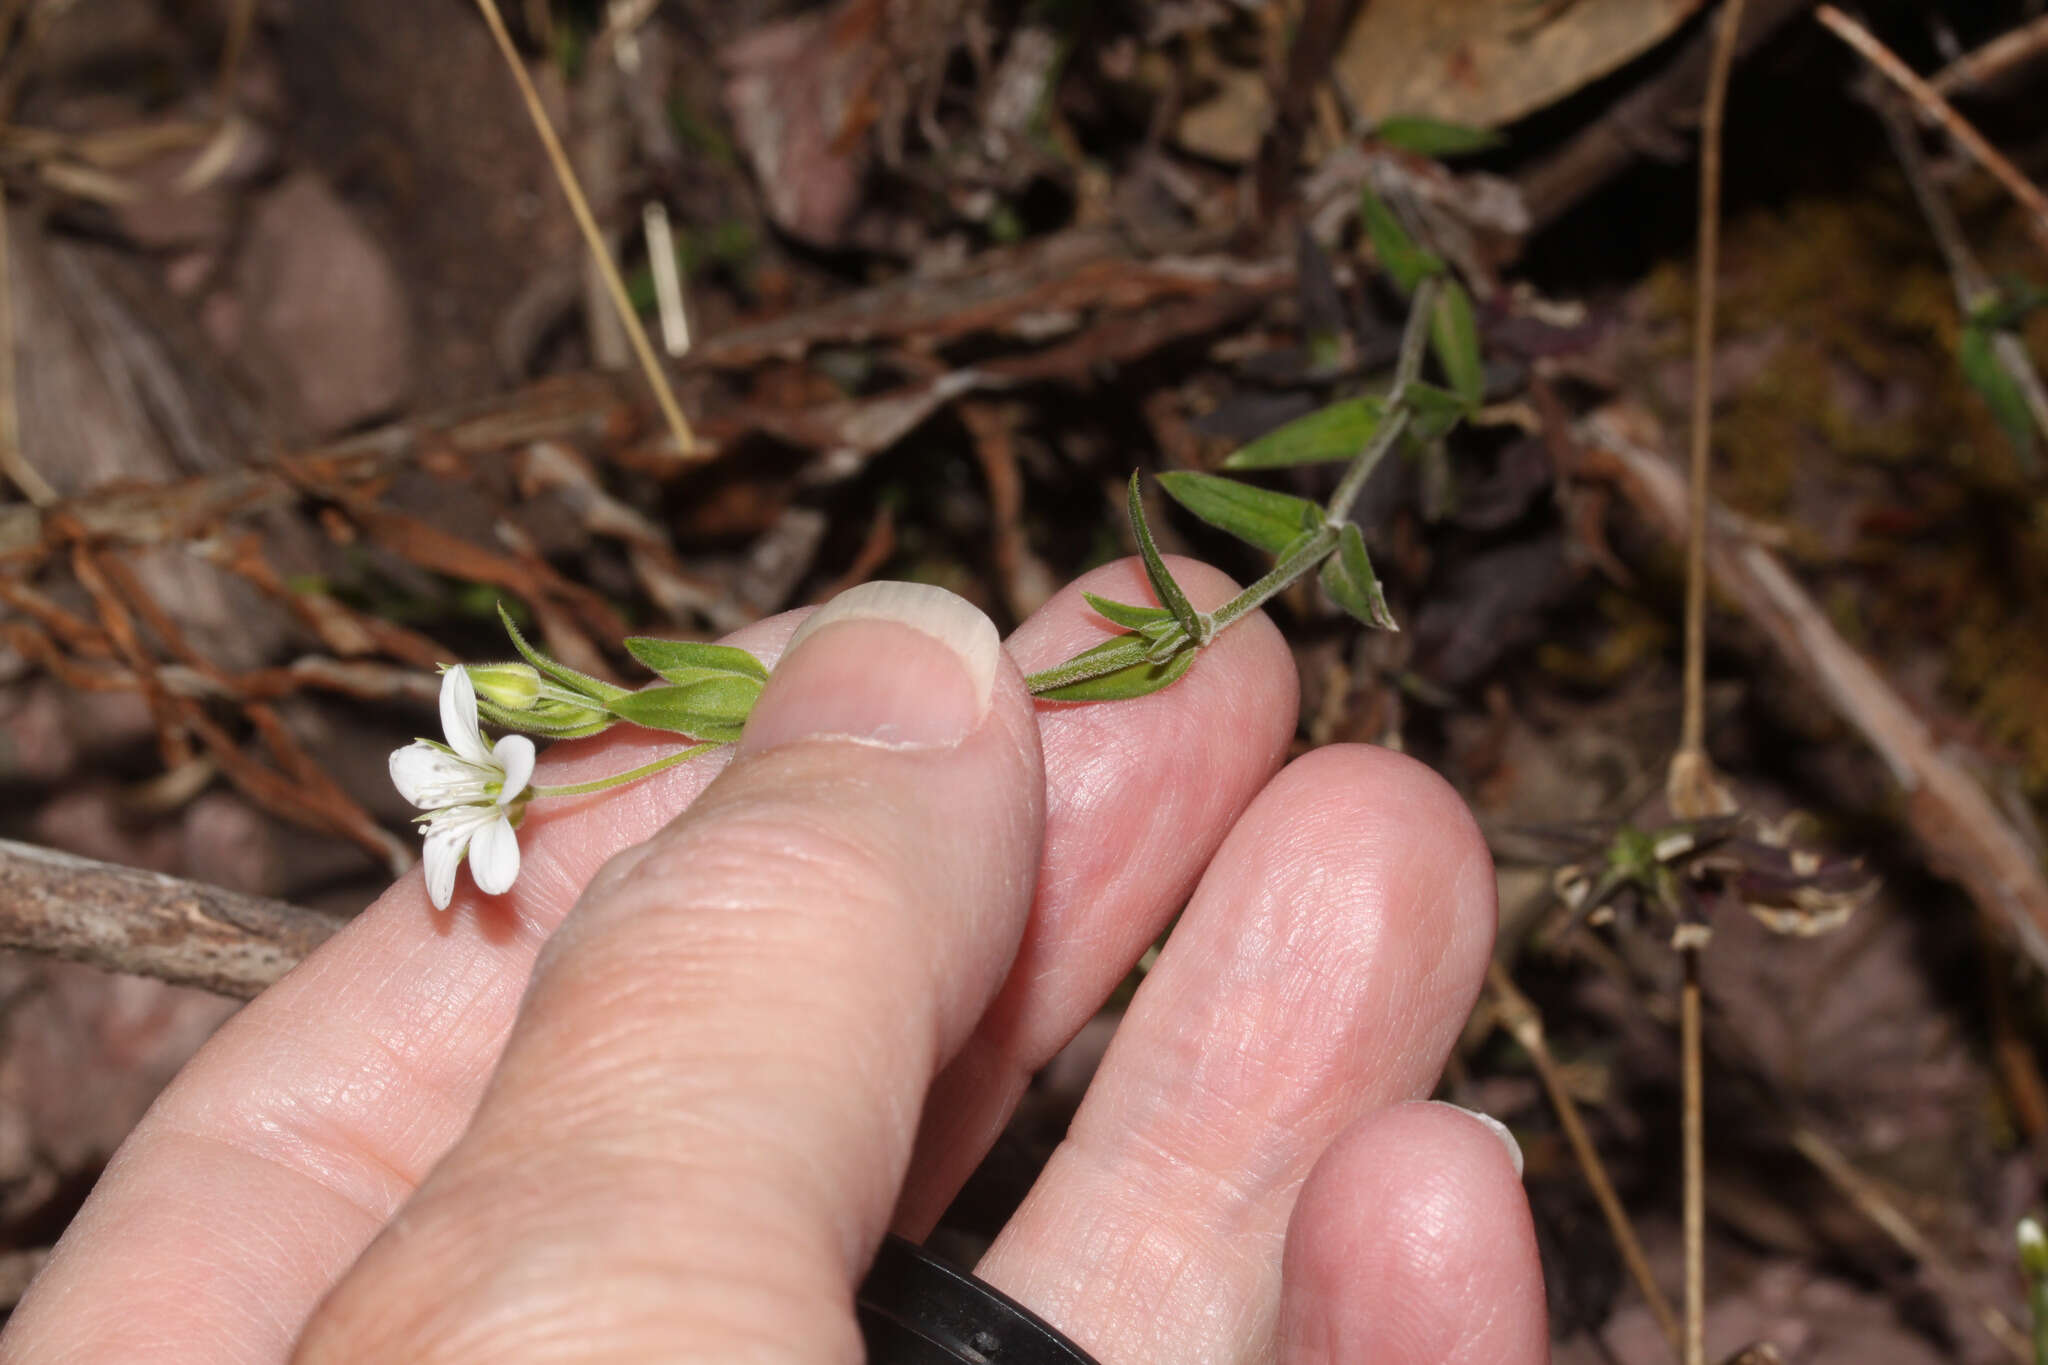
{"points": [[660, 1101]]}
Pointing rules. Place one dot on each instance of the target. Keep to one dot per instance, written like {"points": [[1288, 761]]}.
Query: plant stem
{"points": [[631, 775], [1414, 338], [1303, 560], [1694, 1133]]}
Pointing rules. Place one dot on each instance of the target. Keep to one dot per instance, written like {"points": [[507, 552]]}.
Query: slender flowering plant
{"points": [[475, 794]]}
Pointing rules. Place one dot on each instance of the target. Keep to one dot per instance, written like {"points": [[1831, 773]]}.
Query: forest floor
{"points": [[310, 371]]}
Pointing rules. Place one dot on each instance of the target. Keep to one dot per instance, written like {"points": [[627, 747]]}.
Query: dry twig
{"points": [[2028, 41], [657, 378], [122, 919], [1516, 1013], [1938, 110]]}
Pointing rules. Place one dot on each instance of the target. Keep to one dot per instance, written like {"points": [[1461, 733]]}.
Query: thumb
{"points": [[695, 1135]]}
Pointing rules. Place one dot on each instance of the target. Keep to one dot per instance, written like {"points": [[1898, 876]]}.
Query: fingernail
{"points": [[902, 665], [1498, 1129]]}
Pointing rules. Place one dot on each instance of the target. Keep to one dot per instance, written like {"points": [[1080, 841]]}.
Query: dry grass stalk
{"points": [[600, 254], [1516, 1013], [2025, 43], [1938, 110], [1693, 791]]}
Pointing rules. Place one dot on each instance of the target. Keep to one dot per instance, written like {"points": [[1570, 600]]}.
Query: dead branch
{"points": [[123, 919], [1965, 834], [2002, 53], [1937, 110]]}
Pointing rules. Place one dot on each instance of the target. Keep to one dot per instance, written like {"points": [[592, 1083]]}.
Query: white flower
{"points": [[473, 792]]}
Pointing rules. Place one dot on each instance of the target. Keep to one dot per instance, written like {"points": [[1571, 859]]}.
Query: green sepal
{"points": [[1271, 521], [1978, 353], [712, 709], [1137, 679], [597, 689], [1337, 432], [1348, 578], [1454, 336], [1434, 137], [1125, 614], [547, 718], [1405, 263], [688, 661], [1169, 592]]}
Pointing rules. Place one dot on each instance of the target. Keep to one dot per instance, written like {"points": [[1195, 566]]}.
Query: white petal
{"points": [[514, 758], [494, 857], [430, 777], [458, 716], [448, 836], [443, 856]]}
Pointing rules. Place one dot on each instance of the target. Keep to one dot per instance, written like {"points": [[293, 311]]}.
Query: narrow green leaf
{"points": [[713, 709], [1170, 595], [1436, 410], [1271, 521], [1132, 680], [597, 689], [1124, 614], [1337, 432], [2001, 392], [1455, 338], [1434, 137], [690, 660], [1348, 578], [1407, 263]]}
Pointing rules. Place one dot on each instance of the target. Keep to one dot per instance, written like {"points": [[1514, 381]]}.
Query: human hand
{"points": [[682, 1138]]}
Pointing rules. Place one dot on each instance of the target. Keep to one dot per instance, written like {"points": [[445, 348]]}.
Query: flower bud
{"points": [[510, 687], [2033, 1249]]}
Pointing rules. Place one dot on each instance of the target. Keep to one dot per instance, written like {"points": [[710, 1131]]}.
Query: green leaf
{"points": [[1337, 432], [2001, 392], [682, 661], [1434, 137], [1170, 595], [1132, 680], [1455, 337], [1436, 410], [1271, 521], [1399, 256], [1124, 614], [714, 709], [1348, 578], [597, 689]]}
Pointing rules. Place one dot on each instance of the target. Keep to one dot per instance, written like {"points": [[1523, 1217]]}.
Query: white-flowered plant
{"points": [[474, 794]]}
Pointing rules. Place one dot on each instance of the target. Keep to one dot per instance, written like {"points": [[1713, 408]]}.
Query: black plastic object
{"points": [[917, 1310]]}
